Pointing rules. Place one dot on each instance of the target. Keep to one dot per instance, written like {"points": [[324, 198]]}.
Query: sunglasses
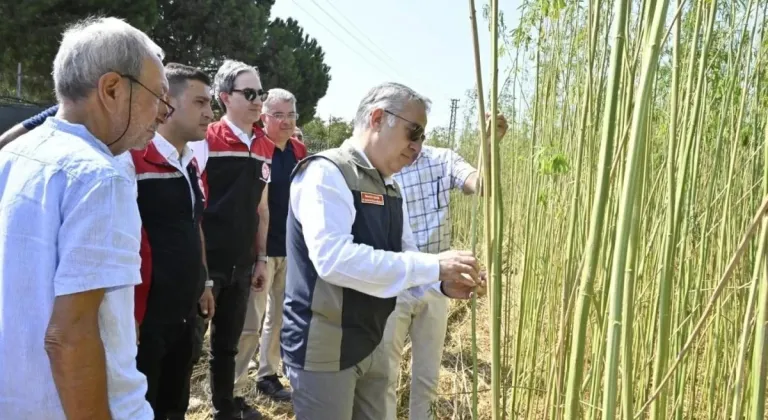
{"points": [[251, 94], [415, 131]]}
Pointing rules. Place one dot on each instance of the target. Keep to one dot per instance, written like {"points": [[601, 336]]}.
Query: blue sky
{"points": [[425, 44]]}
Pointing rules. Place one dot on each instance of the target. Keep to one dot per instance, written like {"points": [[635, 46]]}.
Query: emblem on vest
{"points": [[371, 198], [265, 172]]}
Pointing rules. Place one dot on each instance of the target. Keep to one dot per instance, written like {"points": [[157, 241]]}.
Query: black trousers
{"points": [[231, 290], [165, 357]]}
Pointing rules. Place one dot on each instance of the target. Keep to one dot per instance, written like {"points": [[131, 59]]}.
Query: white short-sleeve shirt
{"points": [[69, 223]]}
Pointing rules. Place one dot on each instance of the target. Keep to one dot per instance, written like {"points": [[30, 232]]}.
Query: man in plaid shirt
{"points": [[423, 313]]}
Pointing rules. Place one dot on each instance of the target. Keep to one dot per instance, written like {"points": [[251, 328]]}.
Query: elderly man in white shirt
{"points": [[70, 233], [350, 253]]}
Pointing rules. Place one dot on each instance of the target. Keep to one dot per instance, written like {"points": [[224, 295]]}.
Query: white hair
{"points": [[390, 96], [224, 81], [277, 95], [93, 47]]}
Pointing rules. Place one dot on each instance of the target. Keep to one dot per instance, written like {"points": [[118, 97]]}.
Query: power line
{"points": [[355, 38], [340, 40], [422, 82], [360, 31]]}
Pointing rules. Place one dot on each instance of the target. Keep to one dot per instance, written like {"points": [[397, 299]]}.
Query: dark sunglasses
{"points": [[415, 131], [169, 108], [251, 94]]}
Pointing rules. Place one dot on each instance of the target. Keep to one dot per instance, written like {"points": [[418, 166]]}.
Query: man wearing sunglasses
{"points": [[279, 118], [235, 157], [350, 252], [422, 313]]}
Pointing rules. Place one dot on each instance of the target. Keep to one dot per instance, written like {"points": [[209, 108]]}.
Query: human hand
{"points": [[460, 267], [461, 291], [501, 125], [207, 303], [259, 277]]}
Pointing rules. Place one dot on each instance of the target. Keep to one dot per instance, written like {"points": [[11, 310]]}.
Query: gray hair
{"points": [[93, 47], [277, 95], [224, 81], [390, 96]]}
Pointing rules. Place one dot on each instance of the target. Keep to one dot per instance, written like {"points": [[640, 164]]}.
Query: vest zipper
{"points": [[386, 200]]}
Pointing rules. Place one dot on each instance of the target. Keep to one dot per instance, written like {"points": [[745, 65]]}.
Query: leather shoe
{"points": [[271, 387]]}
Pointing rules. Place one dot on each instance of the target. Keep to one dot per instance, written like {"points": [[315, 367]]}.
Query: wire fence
{"points": [[14, 111]]}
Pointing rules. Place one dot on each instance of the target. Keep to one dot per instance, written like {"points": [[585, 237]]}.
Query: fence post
{"points": [[18, 81]]}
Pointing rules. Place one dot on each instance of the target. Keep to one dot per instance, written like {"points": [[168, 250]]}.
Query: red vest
{"points": [[235, 176]]}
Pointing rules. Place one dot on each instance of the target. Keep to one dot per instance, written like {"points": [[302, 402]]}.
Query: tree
{"points": [[32, 29], [204, 32], [318, 135], [294, 61], [201, 33]]}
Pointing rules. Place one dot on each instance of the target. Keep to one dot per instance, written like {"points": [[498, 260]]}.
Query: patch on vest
{"points": [[265, 171], [371, 198]]}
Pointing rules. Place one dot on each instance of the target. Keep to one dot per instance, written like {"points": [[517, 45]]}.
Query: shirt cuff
{"points": [[437, 286], [425, 270]]}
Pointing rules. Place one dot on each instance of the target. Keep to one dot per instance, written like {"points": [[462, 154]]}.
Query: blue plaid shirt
{"points": [[426, 185]]}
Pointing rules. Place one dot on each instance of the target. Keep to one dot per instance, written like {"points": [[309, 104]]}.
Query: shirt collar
{"points": [[288, 147], [238, 132], [423, 154], [387, 179], [78, 130], [169, 152]]}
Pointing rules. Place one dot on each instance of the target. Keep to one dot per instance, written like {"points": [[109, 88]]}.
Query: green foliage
{"points": [[292, 60], [553, 163], [31, 32], [319, 135], [195, 32], [204, 32]]}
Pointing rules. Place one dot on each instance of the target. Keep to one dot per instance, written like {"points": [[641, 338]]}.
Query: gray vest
{"points": [[327, 327]]}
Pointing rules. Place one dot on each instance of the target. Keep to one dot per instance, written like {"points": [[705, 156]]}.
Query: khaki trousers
{"points": [[425, 319], [269, 302]]}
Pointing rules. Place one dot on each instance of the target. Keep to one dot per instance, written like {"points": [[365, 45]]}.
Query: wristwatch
{"points": [[262, 258], [209, 283]]}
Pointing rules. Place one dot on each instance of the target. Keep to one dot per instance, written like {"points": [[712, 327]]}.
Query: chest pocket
{"points": [[434, 187]]}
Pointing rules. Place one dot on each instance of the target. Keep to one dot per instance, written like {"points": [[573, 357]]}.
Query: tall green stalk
{"points": [[760, 350], [576, 362], [485, 168], [496, 217]]}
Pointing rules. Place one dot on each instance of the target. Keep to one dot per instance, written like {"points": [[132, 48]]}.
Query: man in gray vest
{"points": [[350, 252]]}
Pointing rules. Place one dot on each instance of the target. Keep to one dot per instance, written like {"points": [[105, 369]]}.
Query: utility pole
{"points": [[452, 124]]}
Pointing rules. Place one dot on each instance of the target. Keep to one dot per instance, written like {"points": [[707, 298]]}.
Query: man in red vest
{"points": [[235, 157], [171, 202], [279, 118]]}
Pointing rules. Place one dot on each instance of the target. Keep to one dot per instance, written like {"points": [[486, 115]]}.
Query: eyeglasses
{"points": [[251, 94], [291, 116], [415, 131], [159, 97]]}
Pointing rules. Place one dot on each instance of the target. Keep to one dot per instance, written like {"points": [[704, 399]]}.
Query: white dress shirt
{"points": [[169, 152], [200, 148], [322, 202]]}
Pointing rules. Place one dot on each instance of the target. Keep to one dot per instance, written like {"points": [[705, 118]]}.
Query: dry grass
{"points": [[454, 391]]}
